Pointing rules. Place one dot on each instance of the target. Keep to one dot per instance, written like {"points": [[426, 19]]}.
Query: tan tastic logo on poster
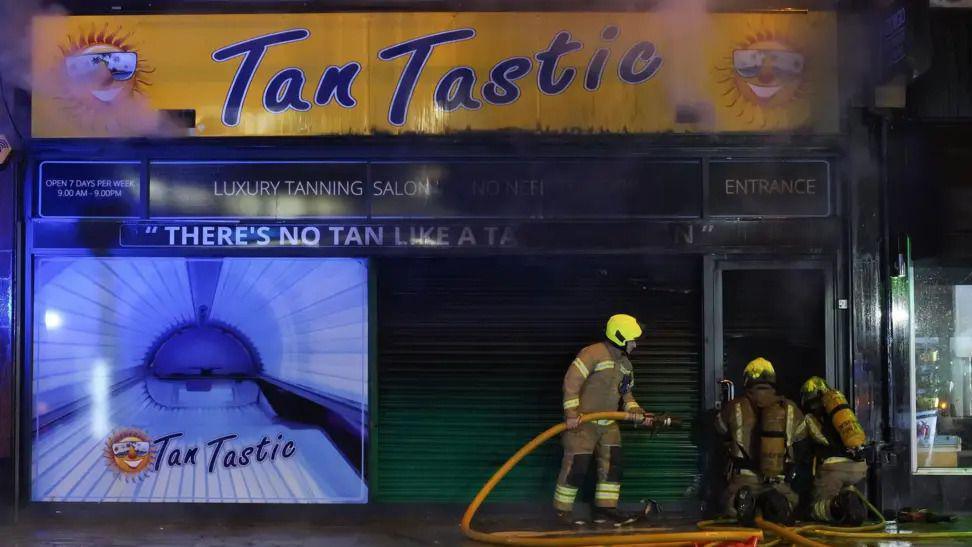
{"points": [[129, 453], [5, 149], [432, 73]]}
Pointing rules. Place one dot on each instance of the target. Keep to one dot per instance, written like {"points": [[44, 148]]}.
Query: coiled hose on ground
{"points": [[709, 533], [637, 538]]}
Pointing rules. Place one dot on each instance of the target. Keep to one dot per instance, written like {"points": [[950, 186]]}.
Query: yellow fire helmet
{"points": [[622, 328], [813, 388], [759, 371]]}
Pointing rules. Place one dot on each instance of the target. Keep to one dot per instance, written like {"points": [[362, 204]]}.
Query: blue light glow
{"points": [[178, 345]]}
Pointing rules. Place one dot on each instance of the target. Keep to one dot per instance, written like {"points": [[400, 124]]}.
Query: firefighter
{"points": [[837, 439], [598, 380], [760, 428]]}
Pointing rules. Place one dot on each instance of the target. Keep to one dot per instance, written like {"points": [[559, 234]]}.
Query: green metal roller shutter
{"points": [[472, 352]]}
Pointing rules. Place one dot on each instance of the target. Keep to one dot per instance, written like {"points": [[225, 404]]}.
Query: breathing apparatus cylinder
{"points": [[772, 440], [844, 419]]}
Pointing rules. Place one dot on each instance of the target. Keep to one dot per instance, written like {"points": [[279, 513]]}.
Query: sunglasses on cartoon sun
{"points": [[748, 62], [121, 449], [121, 64]]}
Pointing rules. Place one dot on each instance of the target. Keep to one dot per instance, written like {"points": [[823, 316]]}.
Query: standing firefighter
{"points": [[839, 464], [760, 428], [598, 380]]}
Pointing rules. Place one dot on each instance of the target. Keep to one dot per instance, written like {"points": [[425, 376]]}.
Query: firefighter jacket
{"points": [[739, 424], [598, 380]]}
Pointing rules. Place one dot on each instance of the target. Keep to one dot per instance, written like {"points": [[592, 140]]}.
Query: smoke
{"points": [[79, 101], [15, 31], [688, 24], [16, 18]]}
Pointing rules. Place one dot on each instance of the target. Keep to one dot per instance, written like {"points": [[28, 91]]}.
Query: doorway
{"points": [[781, 310]]}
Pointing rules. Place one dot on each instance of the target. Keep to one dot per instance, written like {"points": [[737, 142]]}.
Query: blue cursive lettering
{"points": [[336, 84], [595, 69], [455, 90], [641, 53], [219, 444], [418, 50], [252, 51], [502, 76], [164, 441], [548, 80], [283, 92]]}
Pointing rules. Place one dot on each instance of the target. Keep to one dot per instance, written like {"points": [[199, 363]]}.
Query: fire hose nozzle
{"points": [[655, 421]]}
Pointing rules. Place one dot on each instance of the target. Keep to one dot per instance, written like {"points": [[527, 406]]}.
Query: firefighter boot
{"points": [[776, 508], [567, 518], [847, 509], [745, 506], [612, 516]]}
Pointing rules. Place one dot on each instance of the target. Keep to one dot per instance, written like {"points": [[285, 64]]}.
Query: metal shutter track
{"points": [[471, 354]]}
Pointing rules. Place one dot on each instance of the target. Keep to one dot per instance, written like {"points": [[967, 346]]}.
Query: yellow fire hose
{"points": [[709, 533], [787, 533], [874, 532], [655, 539], [871, 531]]}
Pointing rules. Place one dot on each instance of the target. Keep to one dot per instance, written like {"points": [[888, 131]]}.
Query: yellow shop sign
{"points": [[433, 73]]}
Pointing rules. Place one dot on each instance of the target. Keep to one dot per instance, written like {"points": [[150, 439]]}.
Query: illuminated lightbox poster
{"points": [[200, 380]]}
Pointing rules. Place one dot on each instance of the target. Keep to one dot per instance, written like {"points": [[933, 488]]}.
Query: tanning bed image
{"points": [[199, 380]]}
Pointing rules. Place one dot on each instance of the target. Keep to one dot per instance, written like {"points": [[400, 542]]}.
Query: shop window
{"points": [[224, 380], [941, 366]]}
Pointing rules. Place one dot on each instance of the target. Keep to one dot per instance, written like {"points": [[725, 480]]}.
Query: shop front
{"points": [[930, 307], [346, 258]]}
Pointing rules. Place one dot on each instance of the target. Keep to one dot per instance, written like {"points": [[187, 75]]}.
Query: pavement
{"points": [[198, 525], [148, 525]]}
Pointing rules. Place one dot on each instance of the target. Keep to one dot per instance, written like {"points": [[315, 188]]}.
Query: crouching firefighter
{"points": [[598, 380], [760, 428], [837, 440]]}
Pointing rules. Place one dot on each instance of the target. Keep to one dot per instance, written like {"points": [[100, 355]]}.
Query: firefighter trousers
{"points": [[581, 445], [830, 479]]}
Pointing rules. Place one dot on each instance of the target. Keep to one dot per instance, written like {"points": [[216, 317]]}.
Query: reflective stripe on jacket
{"points": [[594, 379]]}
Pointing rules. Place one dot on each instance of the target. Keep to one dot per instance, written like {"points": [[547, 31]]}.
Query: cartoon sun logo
{"points": [[763, 75], [100, 84], [129, 452], [105, 64]]}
